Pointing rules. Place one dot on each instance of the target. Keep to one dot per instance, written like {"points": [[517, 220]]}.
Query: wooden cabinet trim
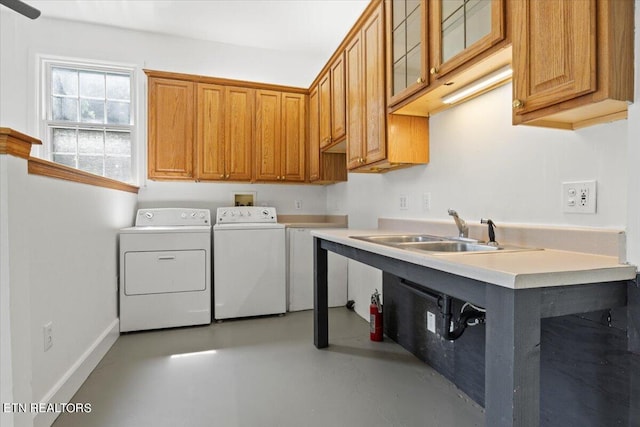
{"points": [[223, 82]]}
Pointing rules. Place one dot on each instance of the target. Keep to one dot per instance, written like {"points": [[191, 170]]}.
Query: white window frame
{"points": [[44, 93]]}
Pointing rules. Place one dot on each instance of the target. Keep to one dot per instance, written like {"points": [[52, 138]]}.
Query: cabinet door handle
{"points": [[517, 104], [434, 71], [226, 176], [420, 80], [221, 176]]}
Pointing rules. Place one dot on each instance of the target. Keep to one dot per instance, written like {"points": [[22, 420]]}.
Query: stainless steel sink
{"points": [[436, 244], [449, 247], [393, 240]]}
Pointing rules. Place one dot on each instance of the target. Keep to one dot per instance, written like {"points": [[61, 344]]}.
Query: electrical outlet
{"points": [[426, 202], [579, 197], [404, 202], [47, 333], [298, 204], [431, 322]]}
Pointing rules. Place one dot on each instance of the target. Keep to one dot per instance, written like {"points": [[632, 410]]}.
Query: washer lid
{"points": [[247, 226]]}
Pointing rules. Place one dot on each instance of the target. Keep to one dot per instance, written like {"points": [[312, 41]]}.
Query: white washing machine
{"points": [[165, 269], [249, 263]]}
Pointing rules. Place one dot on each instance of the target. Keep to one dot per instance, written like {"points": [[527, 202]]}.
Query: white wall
{"points": [[26, 39]]}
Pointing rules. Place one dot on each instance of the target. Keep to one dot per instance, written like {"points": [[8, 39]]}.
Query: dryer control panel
{"points": [[246, 214], [172, 217]]}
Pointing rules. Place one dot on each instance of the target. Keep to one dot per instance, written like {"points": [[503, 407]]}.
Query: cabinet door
{"points": [[314, 135], [355, 103], [239, 113], [268, 135], [171, 129], [210, 132], [324, 86], [294, 113], [407, 48], [374, 78], [338, 116], [463, 29], [554, 52]]}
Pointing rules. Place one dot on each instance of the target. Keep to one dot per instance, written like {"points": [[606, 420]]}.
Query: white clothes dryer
{"points": [[165, 269]]}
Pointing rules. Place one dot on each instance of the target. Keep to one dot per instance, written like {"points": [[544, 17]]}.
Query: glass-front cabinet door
{"points": [[407, 47], [461, 30]]}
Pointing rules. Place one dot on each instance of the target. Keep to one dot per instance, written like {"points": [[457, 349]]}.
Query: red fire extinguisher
{"points": [[375, 317]]}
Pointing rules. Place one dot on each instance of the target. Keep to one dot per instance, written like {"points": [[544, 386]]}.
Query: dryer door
{"points": [[164, 272]]}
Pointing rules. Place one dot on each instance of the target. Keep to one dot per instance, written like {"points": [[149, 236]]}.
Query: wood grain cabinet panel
{"points": [[572, 61], [323, 167], [280, 136], [338, 102], [224, 133], [171, 130]]}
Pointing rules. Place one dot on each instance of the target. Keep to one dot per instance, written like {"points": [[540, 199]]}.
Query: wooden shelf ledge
{"points": [[17, 144]]}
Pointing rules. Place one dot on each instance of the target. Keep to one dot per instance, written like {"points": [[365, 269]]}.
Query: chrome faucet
{"points": [[463, 229]]}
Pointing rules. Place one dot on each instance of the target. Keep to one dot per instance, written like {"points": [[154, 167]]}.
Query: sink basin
{"points": [[436, 244], [394, 240], [446, 246]]}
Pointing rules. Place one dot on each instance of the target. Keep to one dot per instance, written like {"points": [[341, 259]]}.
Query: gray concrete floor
{"points": [[266, 372]]}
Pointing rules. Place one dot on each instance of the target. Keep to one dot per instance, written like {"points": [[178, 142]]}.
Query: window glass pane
{"points": [[118, 87], [91, 85], [90, 141], [64, 82], [118, 168], [412, 5], [91, 111], [453, 36], [399, 76], [414, 66], [398, 12], [413, 30], [65, 159], [118, 112], [399, 42], [93, 164], [478, 20], [64, 140], [118, 143], [449, 7], [64, 109]]}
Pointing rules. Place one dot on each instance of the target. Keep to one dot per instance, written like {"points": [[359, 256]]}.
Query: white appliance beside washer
{"points": [[249, 273], [165, 269]]}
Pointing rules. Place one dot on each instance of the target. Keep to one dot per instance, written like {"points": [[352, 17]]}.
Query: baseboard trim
{"points": [[70, 383]]}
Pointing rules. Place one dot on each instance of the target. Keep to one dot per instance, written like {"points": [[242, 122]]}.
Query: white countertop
{"points": [[515, 270]]}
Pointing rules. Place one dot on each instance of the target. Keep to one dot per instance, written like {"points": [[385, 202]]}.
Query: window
{"points": [[89, 118]]}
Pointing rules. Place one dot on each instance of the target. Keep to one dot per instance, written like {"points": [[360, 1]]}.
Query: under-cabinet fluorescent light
{"points": [[197, 353], [490, 79]]}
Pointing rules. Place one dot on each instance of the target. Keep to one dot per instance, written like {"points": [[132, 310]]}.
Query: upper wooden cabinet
{"points": [[439, 46], [224, 132], [377, 142], [280, 136], [171, 130], [572, 62], [366, 112], [324, 167], [407, 48], [461, 30], [331, 92]]}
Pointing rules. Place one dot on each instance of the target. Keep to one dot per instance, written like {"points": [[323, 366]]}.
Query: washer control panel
{"points": [[171, 217], [246, 214]]}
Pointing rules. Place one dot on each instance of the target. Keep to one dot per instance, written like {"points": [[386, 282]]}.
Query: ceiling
{"points": [[315, 27]]}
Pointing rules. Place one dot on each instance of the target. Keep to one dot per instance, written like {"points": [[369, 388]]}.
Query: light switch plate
{"points": [[579, 197]]}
